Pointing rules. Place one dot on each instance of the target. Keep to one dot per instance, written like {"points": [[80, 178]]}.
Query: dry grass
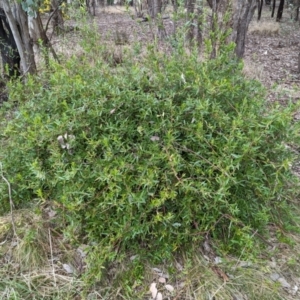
{"points": [[289, 91], [264, 28], [116, 9], [31, 267], [202, 278], [253, 71]]}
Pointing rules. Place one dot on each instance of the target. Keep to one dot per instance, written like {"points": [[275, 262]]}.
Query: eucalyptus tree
{"points": [[15, 19], [233, 15], [295, 5], [8, 48], [21, 30], [242, 14]]}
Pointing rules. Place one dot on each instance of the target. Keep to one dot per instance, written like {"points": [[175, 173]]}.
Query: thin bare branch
{"points": [[51, 253], [12, 206]]}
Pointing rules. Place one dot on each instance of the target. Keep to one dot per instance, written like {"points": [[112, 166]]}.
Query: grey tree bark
{"points": [[199, 22], [243, 11], [155, 11], [218, 25], [8, 48], [190, 8], [214, 28], [138, 7], [18, 22], [295, 5]]}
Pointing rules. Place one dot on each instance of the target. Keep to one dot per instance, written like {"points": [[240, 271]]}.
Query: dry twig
{"points": [[51, 253], [12, 206]]}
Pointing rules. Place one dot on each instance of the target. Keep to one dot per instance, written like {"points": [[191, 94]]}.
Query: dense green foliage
{"points": [[152, 154]]}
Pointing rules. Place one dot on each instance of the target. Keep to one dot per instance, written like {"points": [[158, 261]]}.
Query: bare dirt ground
{"points": [[271, 55], [276, 53]]}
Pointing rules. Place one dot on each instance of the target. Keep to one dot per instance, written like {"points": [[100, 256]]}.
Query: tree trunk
{"points": [[220, 24], [161, 28], [19, 27], [138, 8], [273, 8], [242, 14], [155, 9], [295, 10], [175, 5], [151, 5], [190, 7], [214, 28], [260, 2], [280, 11], [8, 48], [91, 7], [211, 2], [199, 24]]}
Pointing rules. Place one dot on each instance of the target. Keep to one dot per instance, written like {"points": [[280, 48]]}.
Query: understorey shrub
{"points": [[152, 155]]}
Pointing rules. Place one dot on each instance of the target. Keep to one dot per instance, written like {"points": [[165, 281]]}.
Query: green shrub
{"points": [[152, 155]]}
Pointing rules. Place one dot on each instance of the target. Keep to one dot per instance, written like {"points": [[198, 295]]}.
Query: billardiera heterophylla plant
{"points": [[153, 155]]}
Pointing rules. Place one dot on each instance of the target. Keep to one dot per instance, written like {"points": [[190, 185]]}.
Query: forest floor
{"points": [[271, 55]]}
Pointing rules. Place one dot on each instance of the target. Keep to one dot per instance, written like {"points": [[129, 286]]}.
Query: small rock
{"points": [[273, 264], [51, 213], [206, 247], [274, 276], [157, 270], [153, 290], [206, 257], [237, 297], [295, 290], [81, 253], [162, 280], [218, 260], [284, 283], [245, 264], [133, 257], [169, 287], [159, 296], [160, 273], [179, 267], [68, 268], [154, 138]]}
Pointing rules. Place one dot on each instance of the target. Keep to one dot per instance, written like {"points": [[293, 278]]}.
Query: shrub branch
{"points": [[11, 203]]}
